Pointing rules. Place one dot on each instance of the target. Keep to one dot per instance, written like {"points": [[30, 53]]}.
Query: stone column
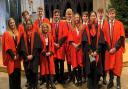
{"points": [[100, 4]]}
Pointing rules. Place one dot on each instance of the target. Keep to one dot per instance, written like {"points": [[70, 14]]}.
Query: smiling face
{"points": [[40, 13], [56, 16], [85, 18], [11, 23], [111, 15], [69, 14], [29, 25], [100, 15], [26, 16], [93, 17], [45, 28], [77, 19]]}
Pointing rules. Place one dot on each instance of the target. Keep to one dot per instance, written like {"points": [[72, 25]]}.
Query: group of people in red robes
{"points": [[91, 45]]}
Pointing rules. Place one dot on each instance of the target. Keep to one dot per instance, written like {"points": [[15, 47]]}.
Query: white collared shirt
{"points": [[77, 31], [85, 23], [111, 22], [100, 22], [46, 40]]}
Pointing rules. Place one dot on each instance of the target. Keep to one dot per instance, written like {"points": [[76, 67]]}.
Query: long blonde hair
{"points": [[8, 26], [80, 22]]}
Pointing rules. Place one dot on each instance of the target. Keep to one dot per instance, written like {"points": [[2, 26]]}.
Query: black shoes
{"points": [[110, 84], [104, 81]]}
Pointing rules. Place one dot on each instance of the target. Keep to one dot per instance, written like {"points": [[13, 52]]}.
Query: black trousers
{"points": [[93, 77], [15, 79], [26, 69], [103, 63], [77, 72], [69, 71], [59, 70], [32, 79]]}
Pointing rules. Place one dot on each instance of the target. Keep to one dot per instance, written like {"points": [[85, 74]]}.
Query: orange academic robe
{"points": [[7, 60], [76, 55], [114, 61], [67, 47], [21, 29], [37, 23], [44, 69], [62, 34]]}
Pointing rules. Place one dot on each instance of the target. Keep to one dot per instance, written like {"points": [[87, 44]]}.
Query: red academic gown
{"points": [[62, 33], [21, 29], [76, 56], [67, 46], [114, 61], [7, 60], [43, 60], [37, 23]]}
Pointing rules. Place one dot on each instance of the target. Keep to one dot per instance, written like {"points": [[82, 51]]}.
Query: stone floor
{"points": [[124, 77], [4, 82]]}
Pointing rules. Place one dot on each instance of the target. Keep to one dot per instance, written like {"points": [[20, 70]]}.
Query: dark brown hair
{"points": [[24, 12]]}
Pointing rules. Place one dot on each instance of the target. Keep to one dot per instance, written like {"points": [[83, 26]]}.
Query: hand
{"points": [[56, 45], [15, 57], [48, 54], [112, 51], [29, 57], [75, 45]]}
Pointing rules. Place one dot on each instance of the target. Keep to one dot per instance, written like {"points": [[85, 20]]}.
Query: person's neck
{"points": [[68, 20], [45, 35], [40, 17], [77, 25], [85, 21]]}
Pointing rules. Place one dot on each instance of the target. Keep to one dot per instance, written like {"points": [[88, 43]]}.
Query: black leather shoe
{"points": [[104, 82], [47, 86], [68, 80], [53, 86], [110, 85], [80, 83]]}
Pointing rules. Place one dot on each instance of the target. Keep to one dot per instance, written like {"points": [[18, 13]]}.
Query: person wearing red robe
{"points": [[47, 58], [101, 19], [21, 29], [37, 24], [76, 49], [59, 32], [41, 19], [11, 58], [22, 26], [115, 38], [30, 48], [69, 24], [92, 41]]}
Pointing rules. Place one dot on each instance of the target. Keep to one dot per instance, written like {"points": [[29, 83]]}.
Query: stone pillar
{"points": [[100, 4]]}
